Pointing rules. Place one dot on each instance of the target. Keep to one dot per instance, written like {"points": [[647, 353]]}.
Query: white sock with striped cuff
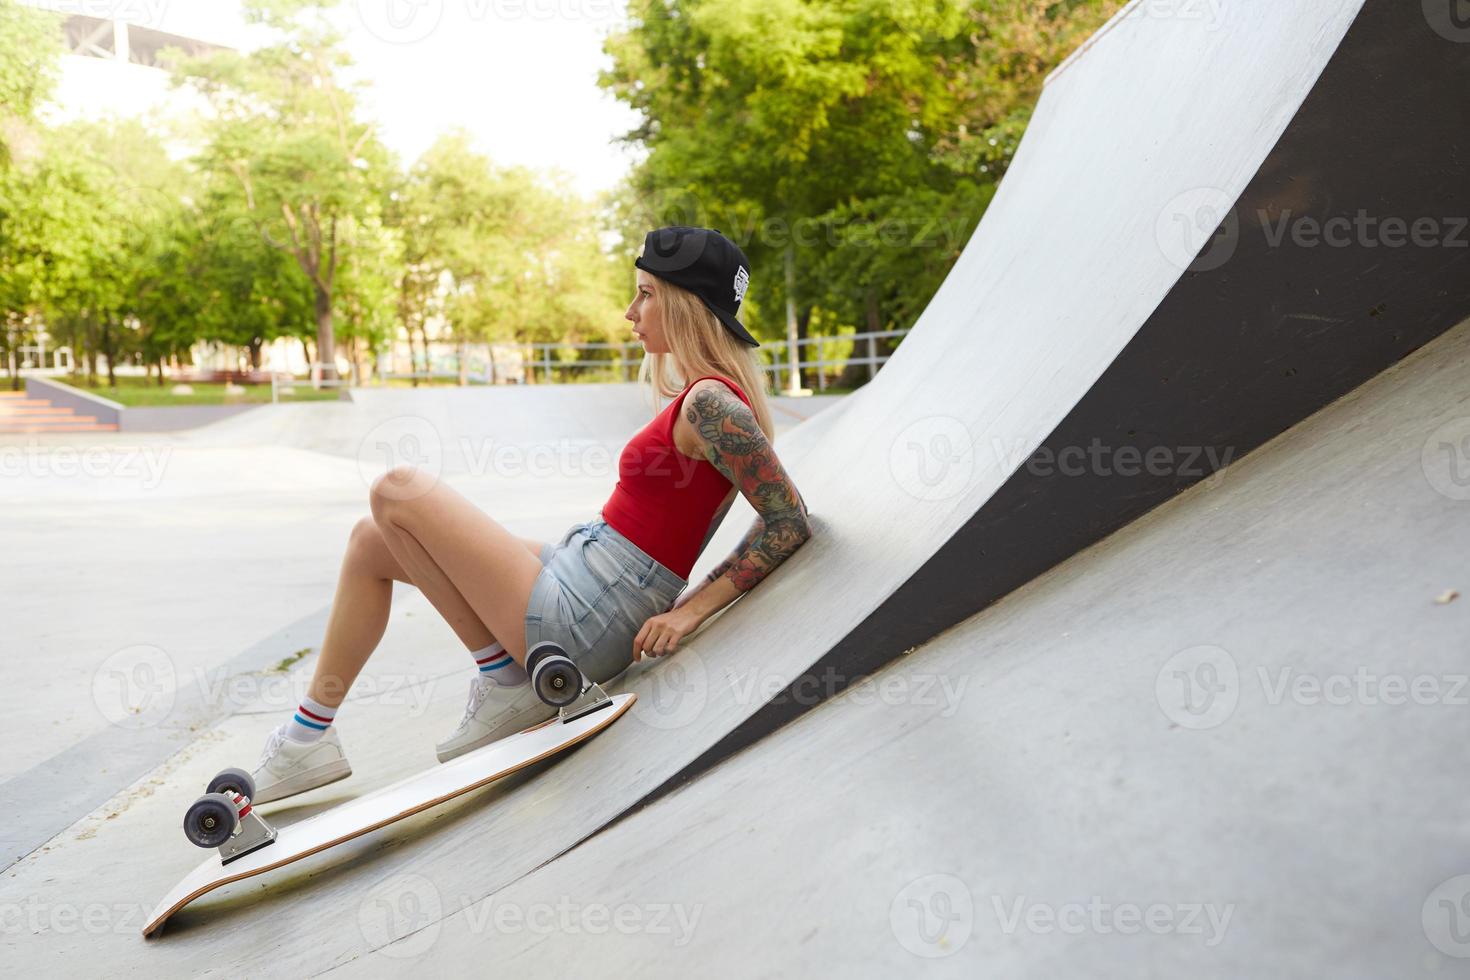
{"points": [[496, 665], [310, 720]]}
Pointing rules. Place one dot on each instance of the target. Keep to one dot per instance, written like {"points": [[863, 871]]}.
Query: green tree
{"points": [[30, 55], [500, 253], [30, 58], [849, 146], [312, 173]]}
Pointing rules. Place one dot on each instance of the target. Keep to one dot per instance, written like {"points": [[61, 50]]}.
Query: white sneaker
{"points": [[289, 767], [493, 712]]}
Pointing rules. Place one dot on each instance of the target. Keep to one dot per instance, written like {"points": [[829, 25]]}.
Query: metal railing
{"points": [[541, 363], [286, 384], [544, 359]]}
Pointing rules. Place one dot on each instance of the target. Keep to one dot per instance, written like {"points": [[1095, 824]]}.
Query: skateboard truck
{"points": [[224, 818], [558, 682]]}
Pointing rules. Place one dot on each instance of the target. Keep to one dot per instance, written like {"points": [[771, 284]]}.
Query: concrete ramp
{"points": [[1228, 741], [1079, 267], [1211, 225]]}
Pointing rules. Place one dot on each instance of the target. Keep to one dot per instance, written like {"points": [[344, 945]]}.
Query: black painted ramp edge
{"points": [[1237, 352]]}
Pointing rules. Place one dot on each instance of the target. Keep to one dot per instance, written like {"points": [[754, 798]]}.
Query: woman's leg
{"points": [[359, 612], [360, 608], [476, 573]]}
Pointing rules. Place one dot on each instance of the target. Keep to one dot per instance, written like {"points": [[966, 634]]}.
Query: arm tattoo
{"points": [[735, 445], [755, 532]]}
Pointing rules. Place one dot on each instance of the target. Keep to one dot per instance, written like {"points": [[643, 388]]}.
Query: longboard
{"points": [[391, 803]]}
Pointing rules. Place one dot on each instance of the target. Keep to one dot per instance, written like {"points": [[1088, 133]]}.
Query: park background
{"points": [[256, 225]]}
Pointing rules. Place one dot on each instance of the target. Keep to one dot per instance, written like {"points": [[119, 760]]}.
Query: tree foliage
{"points": [[862, 137]]}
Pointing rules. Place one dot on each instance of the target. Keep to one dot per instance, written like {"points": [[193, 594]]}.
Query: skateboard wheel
{"points": [[232, 781], [211, 820], [554, 677]]}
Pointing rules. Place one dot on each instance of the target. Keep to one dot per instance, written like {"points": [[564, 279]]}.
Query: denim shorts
{"points": [[595, 591]]}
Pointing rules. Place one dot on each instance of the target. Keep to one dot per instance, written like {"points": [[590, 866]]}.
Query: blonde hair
{"points": [[701, 345]]}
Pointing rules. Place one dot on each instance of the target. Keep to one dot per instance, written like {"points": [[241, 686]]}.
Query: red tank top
{"points": [[664, 501]]}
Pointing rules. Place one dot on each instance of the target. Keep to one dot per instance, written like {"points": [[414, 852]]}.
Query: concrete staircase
{"points": [[21, 415]]}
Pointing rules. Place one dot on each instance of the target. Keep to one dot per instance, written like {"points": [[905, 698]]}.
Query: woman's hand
{"points": [[661, 635]]}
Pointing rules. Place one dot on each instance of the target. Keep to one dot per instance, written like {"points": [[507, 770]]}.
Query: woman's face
{"points": [[644, 314]]}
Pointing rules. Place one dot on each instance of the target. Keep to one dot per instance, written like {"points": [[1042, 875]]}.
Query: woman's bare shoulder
{"points": [[706, 397]]}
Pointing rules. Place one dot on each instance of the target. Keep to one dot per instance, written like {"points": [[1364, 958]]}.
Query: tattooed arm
{"points": [[733, 442]]}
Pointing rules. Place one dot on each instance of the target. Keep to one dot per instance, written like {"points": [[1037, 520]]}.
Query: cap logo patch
{"points": [[742, 280]]}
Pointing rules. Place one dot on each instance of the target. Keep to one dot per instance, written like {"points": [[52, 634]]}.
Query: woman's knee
{"points": [[397, 486], [367, 549]]}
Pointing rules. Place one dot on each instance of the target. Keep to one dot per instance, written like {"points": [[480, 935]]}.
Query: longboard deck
{"points": [[391, 803]]}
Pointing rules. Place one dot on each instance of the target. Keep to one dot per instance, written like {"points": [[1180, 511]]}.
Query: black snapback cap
{"points": [[704, 262]]}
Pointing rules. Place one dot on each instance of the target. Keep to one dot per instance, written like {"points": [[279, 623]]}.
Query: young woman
{"points": [[610, 591]]}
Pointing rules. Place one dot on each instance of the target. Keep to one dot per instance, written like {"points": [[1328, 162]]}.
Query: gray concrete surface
{"points": [[171, 418], [968, 378], [1037, 793], [198, 557]]}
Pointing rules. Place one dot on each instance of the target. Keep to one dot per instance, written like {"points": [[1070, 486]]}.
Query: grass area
{"points": [[141, 392], [286, 664]]}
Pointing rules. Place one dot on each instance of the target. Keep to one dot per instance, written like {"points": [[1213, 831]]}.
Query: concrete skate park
{"points": [[1131, 641]]}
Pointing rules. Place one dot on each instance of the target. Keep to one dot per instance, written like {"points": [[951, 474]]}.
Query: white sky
{"points": [[519, 75]]}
